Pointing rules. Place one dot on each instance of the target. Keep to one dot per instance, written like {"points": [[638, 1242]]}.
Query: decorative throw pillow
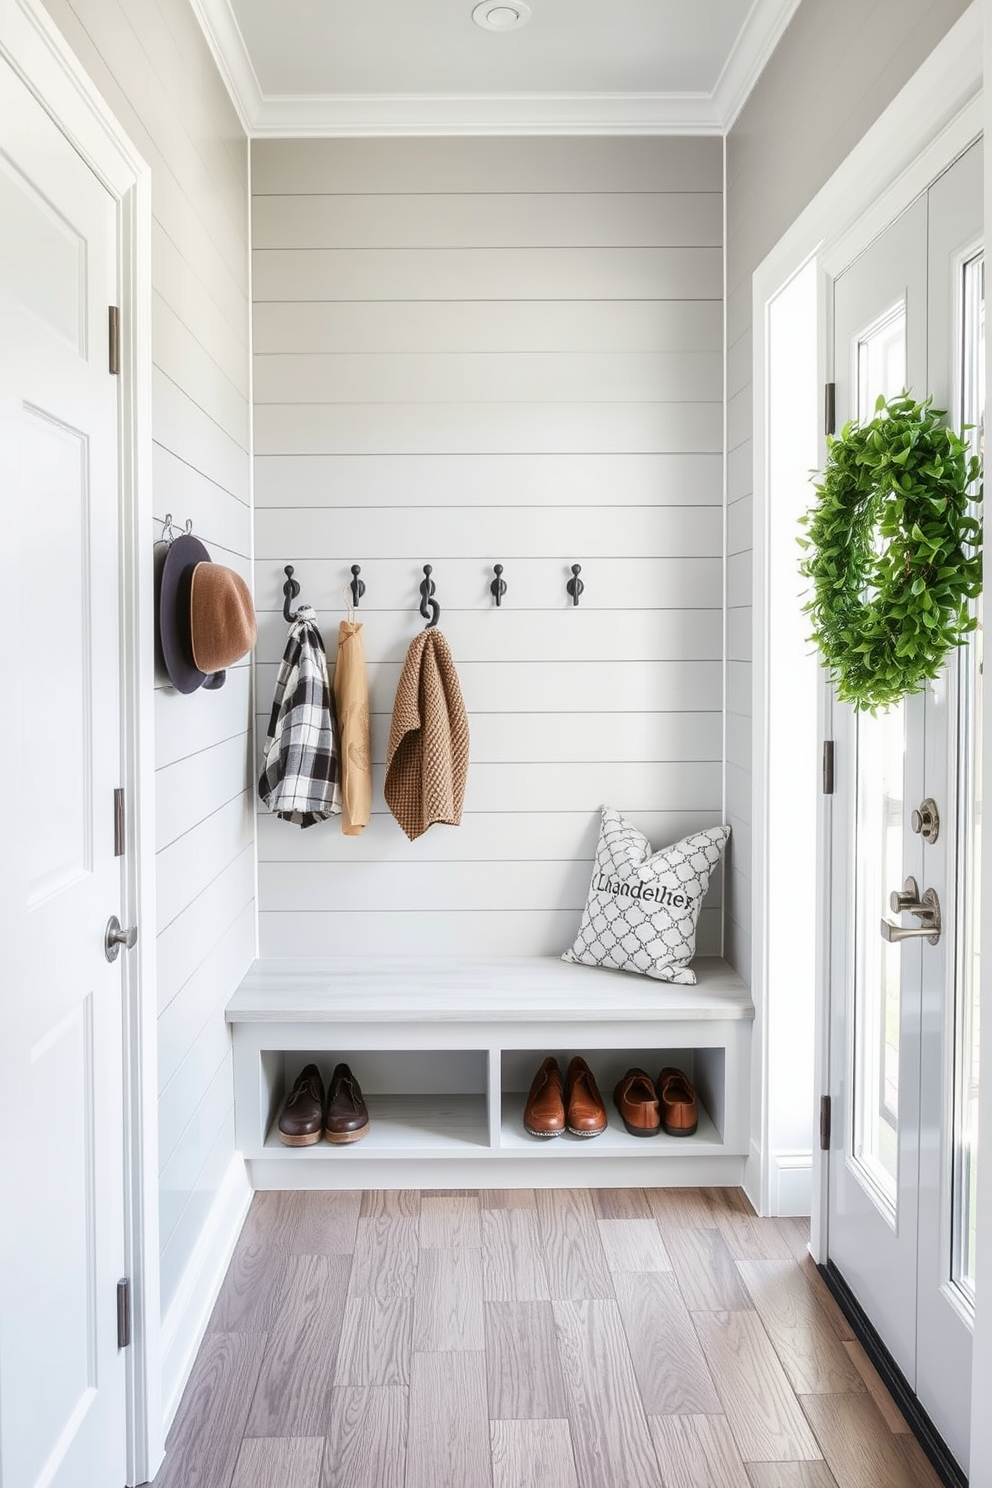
{"points": [[642, 908]]}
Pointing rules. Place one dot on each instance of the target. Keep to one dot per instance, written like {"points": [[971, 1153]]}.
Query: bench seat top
{"points": [[357, 989]]}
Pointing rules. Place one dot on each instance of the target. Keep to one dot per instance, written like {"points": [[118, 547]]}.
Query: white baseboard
{"points": [[185, 1323], [752, 1176], [791, 1187]]}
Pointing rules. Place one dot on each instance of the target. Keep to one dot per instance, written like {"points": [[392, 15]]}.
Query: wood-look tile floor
{"points": [[564, 1338]]}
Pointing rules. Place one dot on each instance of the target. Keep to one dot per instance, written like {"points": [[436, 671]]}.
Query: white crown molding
{"points": [[480, 114], [220, 27], [367, 114], [760, 35]]}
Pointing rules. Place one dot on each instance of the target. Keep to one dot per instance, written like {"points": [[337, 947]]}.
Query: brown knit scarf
{"points": [[427, 757]]}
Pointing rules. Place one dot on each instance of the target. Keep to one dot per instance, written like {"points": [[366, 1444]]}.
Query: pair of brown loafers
{"points": [[554, 1106], [646, 1109], [306, 1117]]}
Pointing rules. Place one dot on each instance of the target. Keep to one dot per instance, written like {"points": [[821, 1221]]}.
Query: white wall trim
{"points": [[369, 114], [762, 32], [40, 55], [791, 1183], [332, 116], [931, 121], [185, 1323], [227, 47]]}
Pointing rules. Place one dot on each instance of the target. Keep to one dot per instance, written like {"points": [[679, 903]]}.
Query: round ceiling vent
{"points": [[492, 16]]}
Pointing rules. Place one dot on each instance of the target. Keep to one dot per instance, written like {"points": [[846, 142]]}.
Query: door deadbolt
{"points": [[925, 820], [116, 936], [927, 910]]}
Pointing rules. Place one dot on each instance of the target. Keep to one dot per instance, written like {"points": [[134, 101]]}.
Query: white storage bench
{"points": [[445, 1048]]}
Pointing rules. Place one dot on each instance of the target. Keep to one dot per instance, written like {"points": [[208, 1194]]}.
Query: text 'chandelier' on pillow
{"points": [[643, 906]]}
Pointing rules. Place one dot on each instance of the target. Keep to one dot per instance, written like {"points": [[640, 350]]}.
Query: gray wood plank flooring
{"points": [[568, 1338]]}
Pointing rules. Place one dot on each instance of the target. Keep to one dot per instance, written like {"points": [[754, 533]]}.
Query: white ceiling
{"points": [[422, 66]]}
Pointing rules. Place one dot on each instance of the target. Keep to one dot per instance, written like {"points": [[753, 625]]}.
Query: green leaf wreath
{"points": [[894, 552]]}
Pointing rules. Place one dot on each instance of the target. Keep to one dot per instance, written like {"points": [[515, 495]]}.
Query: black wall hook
{"points": [[357, 585], [498, 586], [433, 614], [290, 589], [575, 586]]}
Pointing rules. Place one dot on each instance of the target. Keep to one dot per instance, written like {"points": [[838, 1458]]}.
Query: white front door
{"points": [[62, 1377], [903, 1052]]}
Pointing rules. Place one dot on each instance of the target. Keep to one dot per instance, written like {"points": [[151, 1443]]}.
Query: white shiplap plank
{"points": [[204, 995], [208, 1052], [471, 220], [192, 788], [406, 887], [540, 932], [199, 720], [367, 326], [179, 1247], [183, 427], [181, 287], [694, 786], [498, 836], [538, 584], [576, 738], [511, 531], [185, 868], [489, 377], [511, 634], [218, 515], [488, 480], [487, 273], [480, 428], [188, 364], [501, 687], [190, 938], [545, 164], [180, 1167]]}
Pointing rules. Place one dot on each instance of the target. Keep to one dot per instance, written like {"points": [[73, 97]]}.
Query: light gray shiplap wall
{"points": [[150, 62], [470, 351], [838, 66]]}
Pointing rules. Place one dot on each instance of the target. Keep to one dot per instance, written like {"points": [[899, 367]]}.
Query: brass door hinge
{"points": [[123, 1312], [829, 408], [828, 767], [114, 339]]}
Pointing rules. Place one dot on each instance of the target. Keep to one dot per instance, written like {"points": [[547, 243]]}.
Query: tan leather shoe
{"points": [[679, 1115], [585, 1114], [544, 1113], [302, 1117], [637, 1103]]}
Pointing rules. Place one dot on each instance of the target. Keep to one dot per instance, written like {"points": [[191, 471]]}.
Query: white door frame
{"points": [[39, 54], [932, 120]]}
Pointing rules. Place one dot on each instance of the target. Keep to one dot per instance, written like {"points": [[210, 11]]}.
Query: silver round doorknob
{"points": [[116, 936]]}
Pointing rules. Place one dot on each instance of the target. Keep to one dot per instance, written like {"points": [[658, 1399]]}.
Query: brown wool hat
{"points": [[221, 617]]}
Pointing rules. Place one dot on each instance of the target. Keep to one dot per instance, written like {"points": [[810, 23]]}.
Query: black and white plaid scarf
{"points": [[301, 774]]}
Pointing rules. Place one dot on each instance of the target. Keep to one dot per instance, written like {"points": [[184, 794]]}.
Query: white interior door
{"points": [[62, 1382], [901, 319]]}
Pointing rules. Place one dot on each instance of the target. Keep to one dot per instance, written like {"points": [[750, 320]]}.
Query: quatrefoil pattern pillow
{"points": [[643, 907]]}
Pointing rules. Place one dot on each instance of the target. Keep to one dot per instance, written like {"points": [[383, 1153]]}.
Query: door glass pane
{"points": [[879, 859], [969, 835], [880, 369]]}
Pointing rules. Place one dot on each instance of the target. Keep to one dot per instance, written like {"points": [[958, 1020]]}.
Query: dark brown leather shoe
{"points": [[347, 1117], [302, 1117], [637, 1103], [544, 1113], [679, 1114], [585, 1114]]}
